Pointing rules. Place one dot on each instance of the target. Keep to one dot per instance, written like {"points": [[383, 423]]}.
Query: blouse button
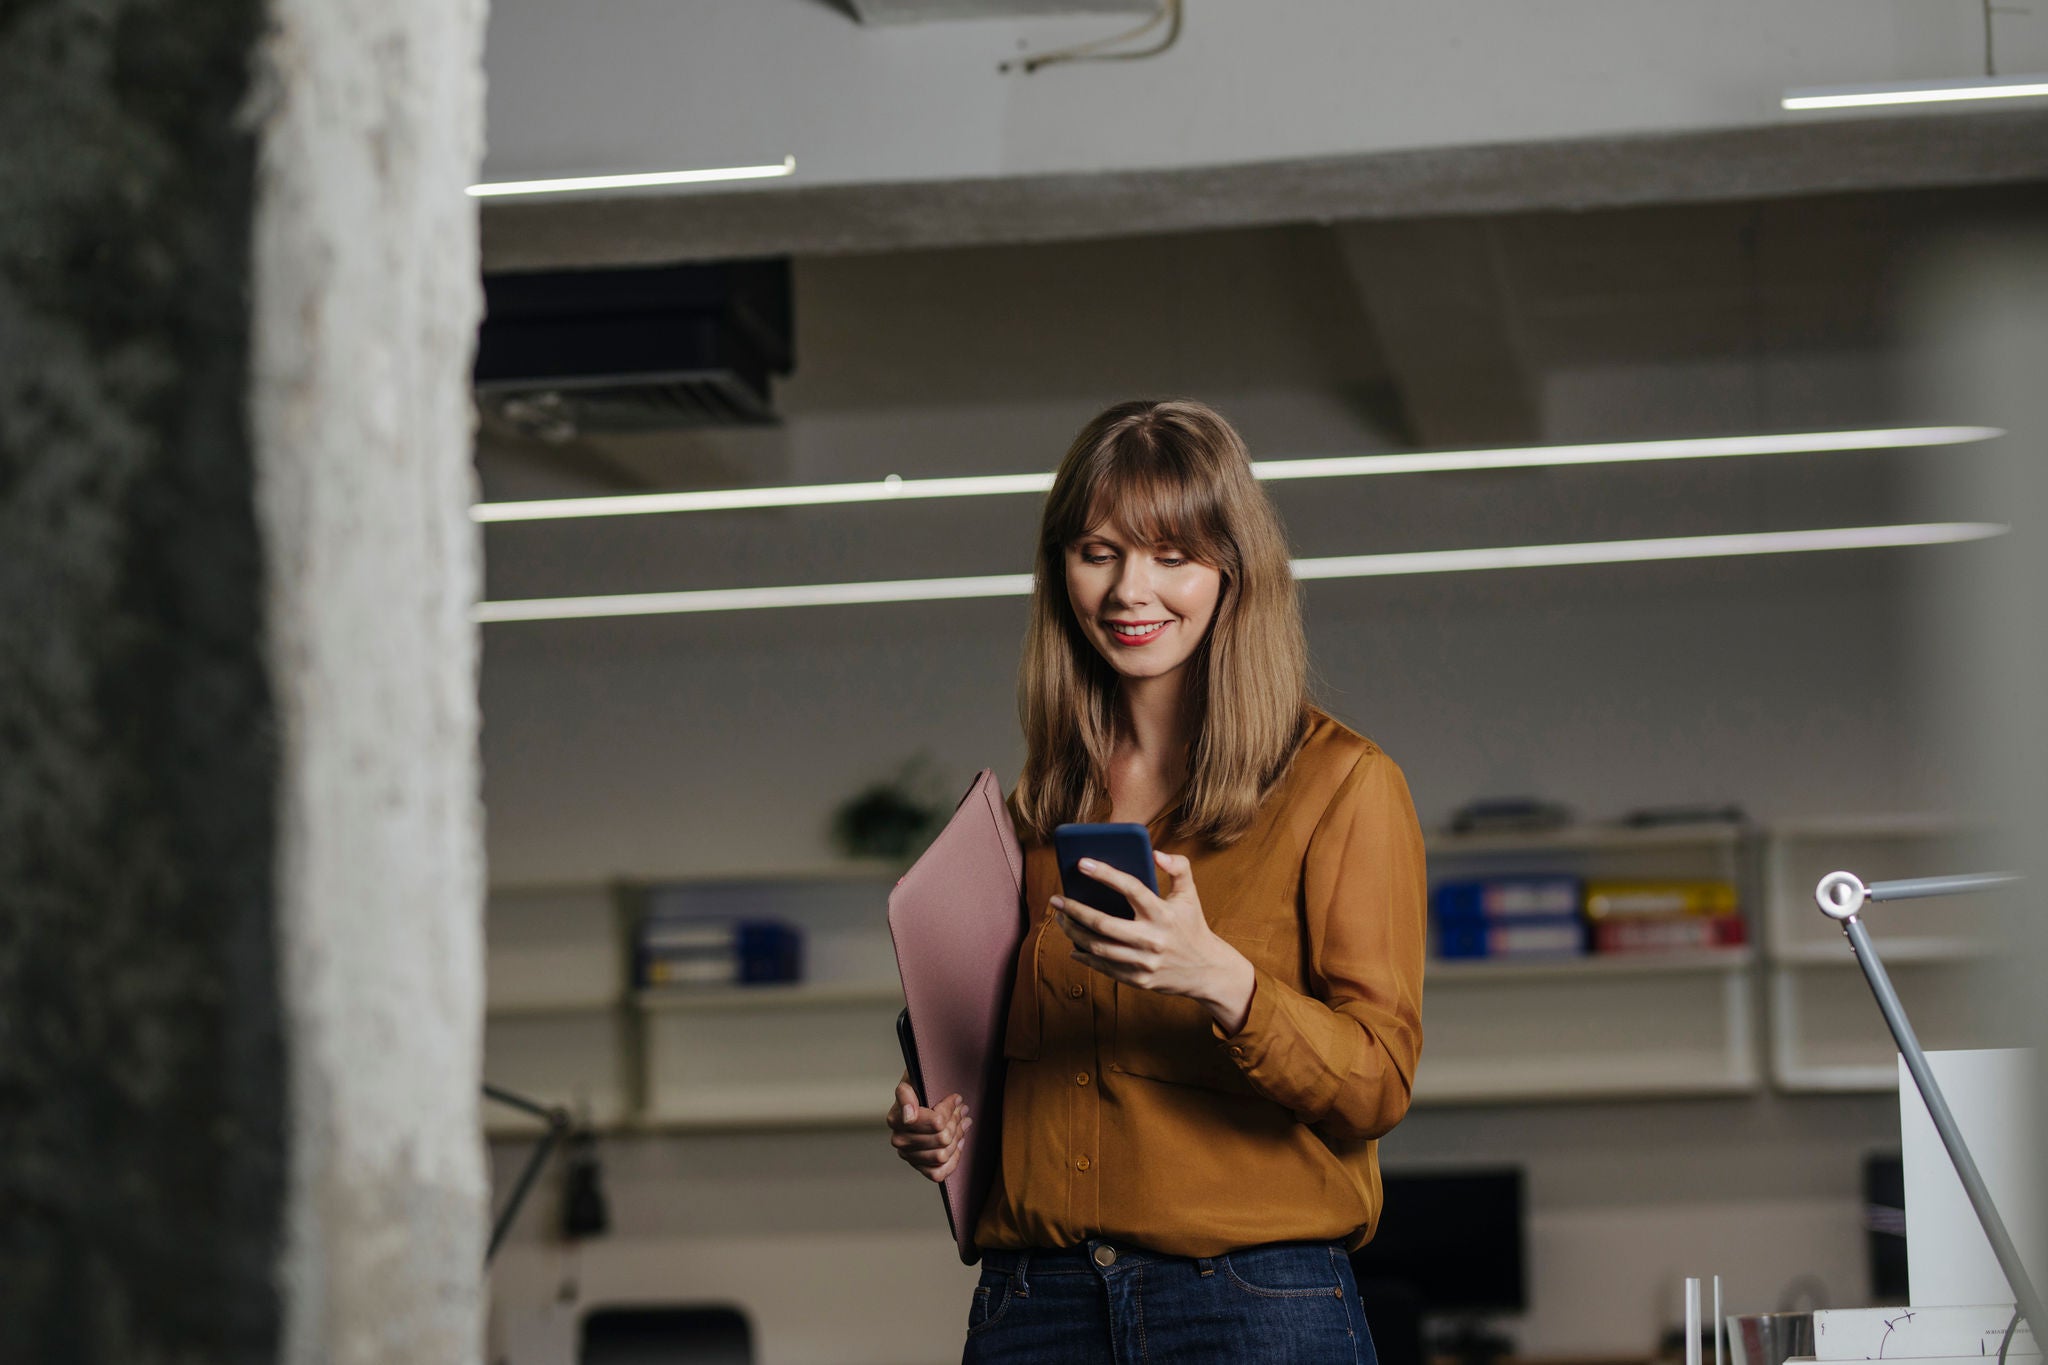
{"points": [[1077, 991], [1081, 1163], [1080, 1078]]}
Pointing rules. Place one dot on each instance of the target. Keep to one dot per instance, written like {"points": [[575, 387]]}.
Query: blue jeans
{"points": [[1284, 1302]]}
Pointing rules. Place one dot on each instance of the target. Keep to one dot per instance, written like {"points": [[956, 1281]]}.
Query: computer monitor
{"points": [[663, 1334], [1884, 1219], [1455, 1236]]}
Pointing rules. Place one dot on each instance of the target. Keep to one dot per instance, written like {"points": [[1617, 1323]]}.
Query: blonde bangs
{"points": [[1154, 502]]}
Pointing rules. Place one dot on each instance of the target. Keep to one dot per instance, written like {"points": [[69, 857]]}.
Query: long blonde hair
{"points": [[1166, 472]]}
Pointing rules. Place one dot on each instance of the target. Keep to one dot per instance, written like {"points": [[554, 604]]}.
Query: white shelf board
{"points": [[1839, 954], [816, 1105], [1828, 1035], [1604, 1082], [1588, 838], [576, 1004], [1877, 848], [1919, 824], [1838, 1080], [848, 870], [798, 996], [1459, 970]]}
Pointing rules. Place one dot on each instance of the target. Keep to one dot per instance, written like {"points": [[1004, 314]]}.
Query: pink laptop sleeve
{"points": [[957, 918]]}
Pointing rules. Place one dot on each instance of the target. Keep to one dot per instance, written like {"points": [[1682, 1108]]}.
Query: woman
{"points": [[1192, 1097]]}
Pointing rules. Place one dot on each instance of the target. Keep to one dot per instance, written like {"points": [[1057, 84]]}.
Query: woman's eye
{"points": [[1095, 557], [1170, 561]]}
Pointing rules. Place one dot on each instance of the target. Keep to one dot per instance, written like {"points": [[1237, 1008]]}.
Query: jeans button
{"points": [[1105, 1256]]}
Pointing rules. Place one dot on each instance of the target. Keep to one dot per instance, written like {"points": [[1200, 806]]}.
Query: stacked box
{"points": [[1663, 916], [678, 951], [1509, 917]]}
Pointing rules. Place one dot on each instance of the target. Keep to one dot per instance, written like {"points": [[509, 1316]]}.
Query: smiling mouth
{"points": [[1135, 630]]}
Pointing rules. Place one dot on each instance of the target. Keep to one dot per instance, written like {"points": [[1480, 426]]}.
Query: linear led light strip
{"points": [[895, 489], [1343, 566], [642, 180], [1916, 92]]}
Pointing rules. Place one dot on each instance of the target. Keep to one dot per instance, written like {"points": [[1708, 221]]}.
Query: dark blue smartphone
{"points": [[910, 1063], [1127, 848]]}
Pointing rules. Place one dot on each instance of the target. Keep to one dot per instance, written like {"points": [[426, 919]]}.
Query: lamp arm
{"points": [[558, 1121], [1840, 896]]}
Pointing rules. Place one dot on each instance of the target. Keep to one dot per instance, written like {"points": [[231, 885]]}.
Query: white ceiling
{"points": [[657, 84]]}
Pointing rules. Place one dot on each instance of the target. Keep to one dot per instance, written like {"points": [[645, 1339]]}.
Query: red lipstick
{"points": [[1136, 641]]}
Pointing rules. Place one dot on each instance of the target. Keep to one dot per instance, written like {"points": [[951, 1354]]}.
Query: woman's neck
{"points": [[1152, 723]]}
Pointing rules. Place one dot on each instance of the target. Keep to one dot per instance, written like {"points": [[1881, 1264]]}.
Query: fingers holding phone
{"points": [[1166, 947], [928, 1137]]}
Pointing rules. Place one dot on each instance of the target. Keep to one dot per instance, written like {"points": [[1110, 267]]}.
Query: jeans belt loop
{"points": [[1018, 1277], [1206, 1265]]}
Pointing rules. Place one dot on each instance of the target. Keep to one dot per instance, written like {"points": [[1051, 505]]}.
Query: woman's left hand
{"points": [[1169, 947]]}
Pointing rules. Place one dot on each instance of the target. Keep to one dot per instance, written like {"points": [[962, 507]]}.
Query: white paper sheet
{"points": [[1948, 1259]]}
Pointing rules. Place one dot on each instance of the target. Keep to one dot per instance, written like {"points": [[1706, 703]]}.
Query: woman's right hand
{"points": [[929, 1139]]}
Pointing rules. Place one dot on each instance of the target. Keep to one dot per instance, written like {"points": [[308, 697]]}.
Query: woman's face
{"points": [[1145, 608]]}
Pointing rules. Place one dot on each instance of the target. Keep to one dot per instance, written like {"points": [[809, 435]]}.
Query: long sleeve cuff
{"points": [[1250, 1045], [1323, 1064]]}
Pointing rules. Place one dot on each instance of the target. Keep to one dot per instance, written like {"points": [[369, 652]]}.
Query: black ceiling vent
{"points": [[570, 353]]}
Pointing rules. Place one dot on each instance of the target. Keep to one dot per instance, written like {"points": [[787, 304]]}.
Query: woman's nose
{"points": [[1134, 585]]}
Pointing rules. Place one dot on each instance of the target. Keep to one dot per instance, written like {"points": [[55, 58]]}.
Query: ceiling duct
{"points": [[586, 352]]}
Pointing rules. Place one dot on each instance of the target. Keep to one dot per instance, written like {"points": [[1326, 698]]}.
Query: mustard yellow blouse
{"points": [[1130, 1115]]}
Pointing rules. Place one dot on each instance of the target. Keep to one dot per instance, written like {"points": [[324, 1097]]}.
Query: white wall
{"points": [[655, 84], [681, 746], [711, 745], [669, 745]]}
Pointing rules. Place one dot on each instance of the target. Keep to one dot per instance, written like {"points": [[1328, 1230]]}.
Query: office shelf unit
{"points": [[556, 1023], [1826, 1034], [1600, 1027], [565, 1025]]}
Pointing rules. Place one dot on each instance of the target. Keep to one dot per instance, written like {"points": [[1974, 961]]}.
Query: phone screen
{"points": [[1127, 848]]}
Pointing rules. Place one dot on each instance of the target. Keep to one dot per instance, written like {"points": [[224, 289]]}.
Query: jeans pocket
{"points": [[1287, 1270], [991, 1301]]}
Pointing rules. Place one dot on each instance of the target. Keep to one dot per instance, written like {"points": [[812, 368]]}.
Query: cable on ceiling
{"points": [[1991, 11], [1169, 14]]}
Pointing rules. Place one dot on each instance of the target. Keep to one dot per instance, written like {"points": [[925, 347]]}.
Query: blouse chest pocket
{"points": [[1170, 1038], [1022, 1027]]}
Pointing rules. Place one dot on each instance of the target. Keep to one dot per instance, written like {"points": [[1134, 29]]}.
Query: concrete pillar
{"points": [[240, 861]]}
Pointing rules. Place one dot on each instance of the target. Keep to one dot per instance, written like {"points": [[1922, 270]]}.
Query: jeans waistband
{"points": [[1084, 1258]]}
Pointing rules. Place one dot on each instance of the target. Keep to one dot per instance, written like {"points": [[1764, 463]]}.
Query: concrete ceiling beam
{"points": [[1776, 160]]}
